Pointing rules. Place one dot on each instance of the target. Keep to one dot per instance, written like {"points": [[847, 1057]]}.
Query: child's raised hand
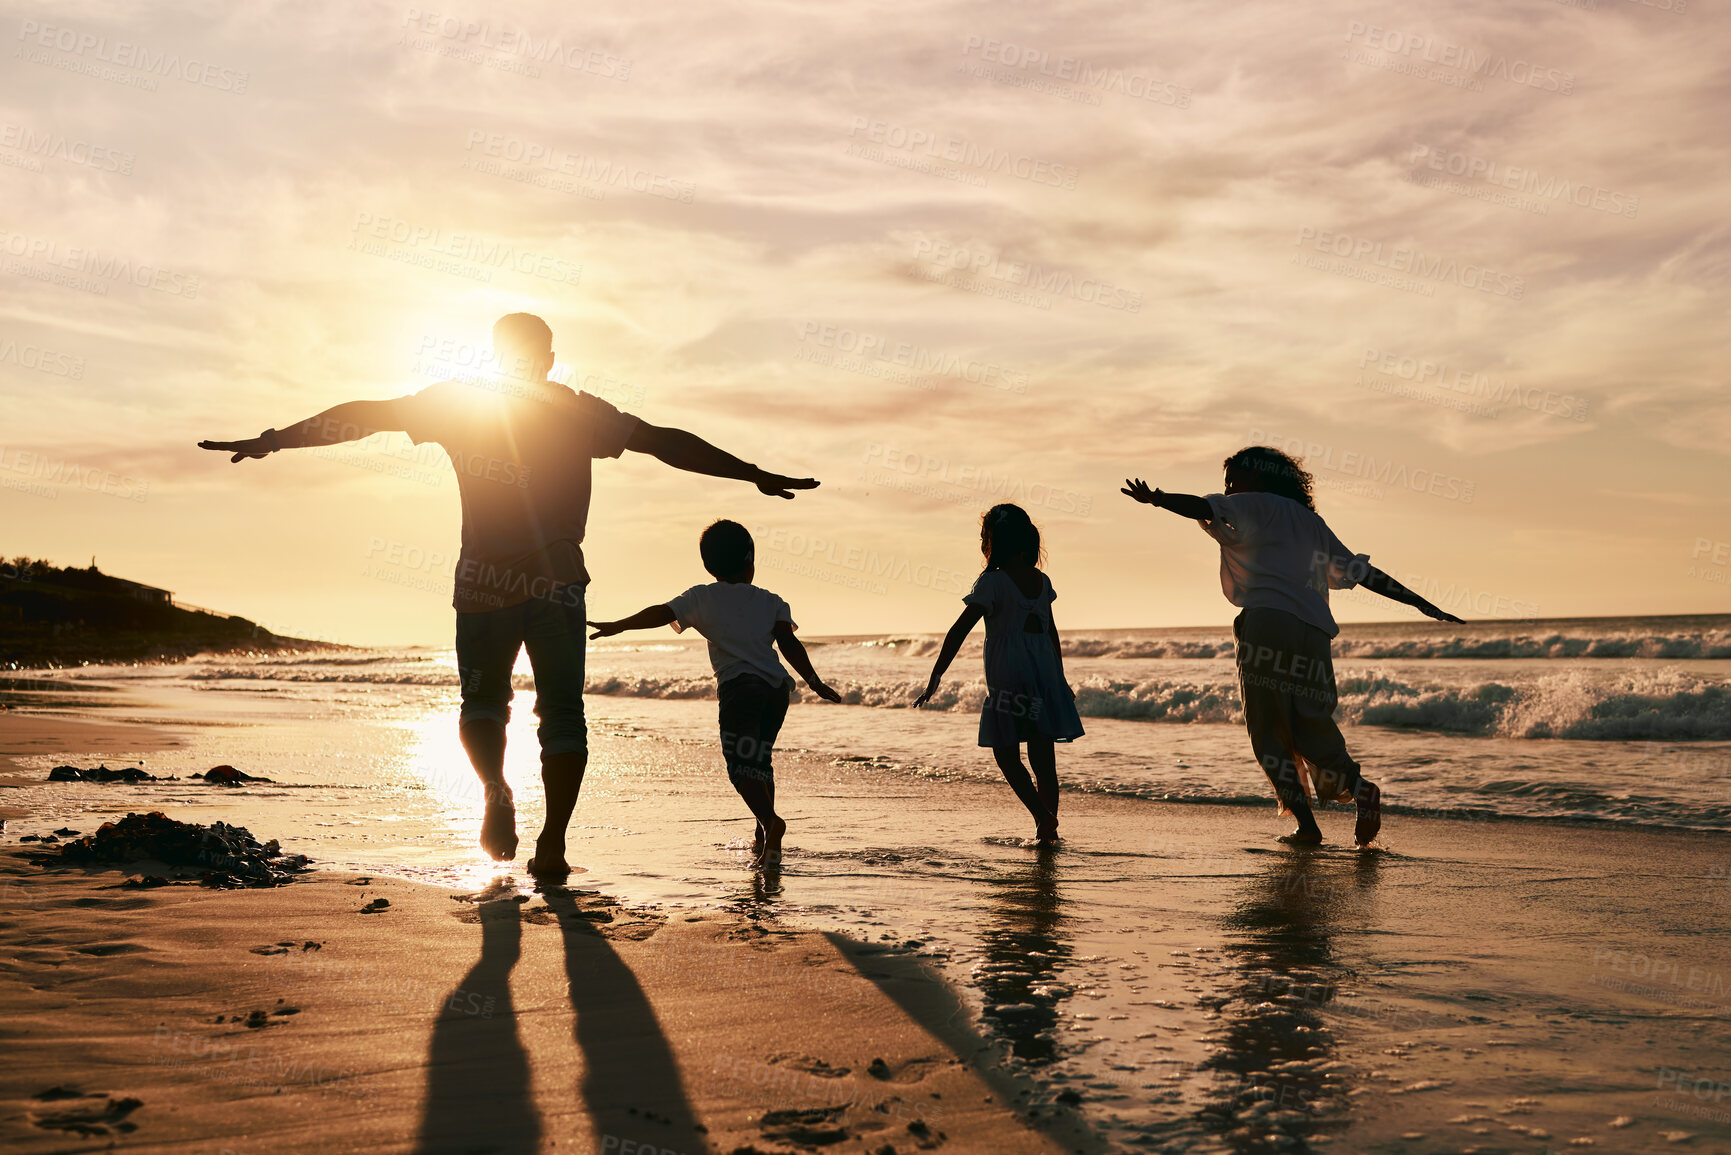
{"points": [[1138, 489], [605, 629]]}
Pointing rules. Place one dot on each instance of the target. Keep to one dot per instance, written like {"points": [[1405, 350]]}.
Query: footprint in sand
{"points": [[911, 1071], [806, 1127], [809, 1064], [87, 1119]]}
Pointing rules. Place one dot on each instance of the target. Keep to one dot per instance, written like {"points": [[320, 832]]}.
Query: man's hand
{"points": [[1440, 615], [242, 450], [1139, 491], [775, 485], [606, 629], [823, 690]]}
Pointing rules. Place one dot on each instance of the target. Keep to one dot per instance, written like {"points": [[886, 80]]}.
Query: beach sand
{"points": [[1170, 979], [463, 1023]]}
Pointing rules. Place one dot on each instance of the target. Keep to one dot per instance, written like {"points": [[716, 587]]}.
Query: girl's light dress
{"points": [[1026, 694]]}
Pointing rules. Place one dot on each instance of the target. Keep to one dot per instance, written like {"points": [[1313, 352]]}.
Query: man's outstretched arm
{"points": [[350, 421], [1378, 582], [1185, 505], [693, 454]]}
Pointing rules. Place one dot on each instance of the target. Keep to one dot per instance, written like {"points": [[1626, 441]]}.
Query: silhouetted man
{"points": [[522, 453]]}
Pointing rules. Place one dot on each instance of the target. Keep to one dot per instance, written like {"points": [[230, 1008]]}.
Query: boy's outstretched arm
{"points": [[693, 454], [350, 421], [646, 618], [794, 651], [1378, 582], [1185, 505], [952, 646]]}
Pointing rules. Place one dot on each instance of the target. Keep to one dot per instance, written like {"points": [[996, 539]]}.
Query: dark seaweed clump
{"points": [[229, 856]]}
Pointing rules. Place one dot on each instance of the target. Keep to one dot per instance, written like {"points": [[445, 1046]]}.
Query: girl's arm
{"points": [[794, 651], [952, 646], [1378, 582], [644, 619], [1185, 505]]}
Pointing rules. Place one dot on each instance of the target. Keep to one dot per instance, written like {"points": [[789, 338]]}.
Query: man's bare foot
{"points": [[544, 868], [757, 843], [549, 860], [769, 854], [1046, 833], [499, 825], [1303, 837], [1369, 814]]}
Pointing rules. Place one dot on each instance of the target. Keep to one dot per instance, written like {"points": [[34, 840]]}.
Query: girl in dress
{"points": [[1027, 699]]}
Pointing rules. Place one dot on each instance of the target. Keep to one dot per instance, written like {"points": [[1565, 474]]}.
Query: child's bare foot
{"points": [[770, 852], [1303, 836], [499, 824], [1369, 814]]}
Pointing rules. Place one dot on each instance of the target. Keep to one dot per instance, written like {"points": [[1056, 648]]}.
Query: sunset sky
{"points": [[1471, 259]]}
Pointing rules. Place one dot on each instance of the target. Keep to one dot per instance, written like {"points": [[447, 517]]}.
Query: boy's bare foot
{"points": [[1369, 814], [499, 826], [1311, 836], [770, 852]]}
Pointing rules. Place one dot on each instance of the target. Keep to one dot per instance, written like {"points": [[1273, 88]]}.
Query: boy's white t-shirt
{"points": [[739, 621], [1276, 553]]}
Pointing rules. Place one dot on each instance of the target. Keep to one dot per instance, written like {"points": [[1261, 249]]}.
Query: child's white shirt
{"points": [[739, 621], [1278, 554]]}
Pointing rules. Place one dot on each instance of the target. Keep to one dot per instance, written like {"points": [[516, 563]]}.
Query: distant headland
{"points": [[54, 616]]}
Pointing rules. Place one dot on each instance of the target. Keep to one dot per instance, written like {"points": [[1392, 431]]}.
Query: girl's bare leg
{"points": [[1043, 758], [1009, 759]]}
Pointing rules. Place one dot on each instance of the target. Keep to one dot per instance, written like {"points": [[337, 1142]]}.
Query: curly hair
{"points": [[1280, 474], [1007, 531]]}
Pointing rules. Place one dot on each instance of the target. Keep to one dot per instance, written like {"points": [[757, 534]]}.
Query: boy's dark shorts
{"points": [[752, 711]]}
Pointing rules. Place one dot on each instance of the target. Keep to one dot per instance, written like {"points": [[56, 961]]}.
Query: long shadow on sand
{"points": [[631, 1084], [479, 1095], [478, 1092]]}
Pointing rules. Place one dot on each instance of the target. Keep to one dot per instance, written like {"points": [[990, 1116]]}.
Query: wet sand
{"points": [[32, 736], [186, 1019], [1170, 979]]}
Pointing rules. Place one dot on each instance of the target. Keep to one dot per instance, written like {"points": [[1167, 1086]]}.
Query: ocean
{"points": [[1521, 733]]}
